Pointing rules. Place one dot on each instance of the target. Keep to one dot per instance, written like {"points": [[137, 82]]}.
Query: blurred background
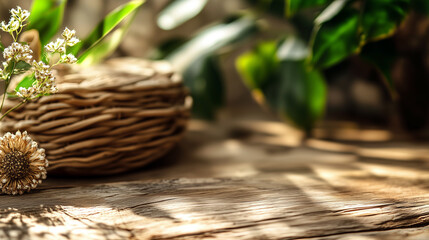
{"points": [[318, 65]]}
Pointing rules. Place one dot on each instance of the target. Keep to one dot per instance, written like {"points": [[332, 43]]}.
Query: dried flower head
{"points": [[23, 165]]}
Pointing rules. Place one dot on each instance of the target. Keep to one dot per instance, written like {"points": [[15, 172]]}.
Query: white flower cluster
{"points": [[16, 21], [69, 39], [42, 71], [18, 52], [69, 58], [44, 83], [26, 93], [56, 47], [20, 14], [12, 26], [43, 74], [44, 78]]}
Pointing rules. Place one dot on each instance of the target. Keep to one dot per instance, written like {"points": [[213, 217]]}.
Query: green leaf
{"points": [[330, 11], [381, 18], [299, 94], [292, 48], [46, 17], [256, 66], [336, 39], [303, 25], [291, 88], [276, 7], [420, 6], [21, 67], [382, 56], [26, 82], [293, 6], [344, 33], [204, 79], [178, 12], [211, 40], [107, 45], [197, 60], [112, 20]]}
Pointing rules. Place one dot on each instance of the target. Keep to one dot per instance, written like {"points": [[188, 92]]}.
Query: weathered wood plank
{"points": [[224, 184], [295, 206]]}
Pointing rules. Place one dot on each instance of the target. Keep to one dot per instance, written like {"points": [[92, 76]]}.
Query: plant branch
{"points": [[10, 110], [7, 82], [4, 96]]}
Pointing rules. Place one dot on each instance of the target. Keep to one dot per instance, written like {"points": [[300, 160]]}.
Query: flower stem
{"points": [[10, 110], [7, 82], [2, 102], [4, 94]]}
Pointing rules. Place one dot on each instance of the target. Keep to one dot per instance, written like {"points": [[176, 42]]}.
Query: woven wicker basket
{"points": [[107, 119]]}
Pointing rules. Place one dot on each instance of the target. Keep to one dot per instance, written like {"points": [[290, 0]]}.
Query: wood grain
{"points": [[237, 181]]}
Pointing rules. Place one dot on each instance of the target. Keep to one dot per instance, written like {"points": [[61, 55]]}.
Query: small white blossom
{"points": [[42, 71], [12, 26], [17, 52], [20, 14], [69, 37], [53, 89], [73, 41], [69, 58], [39, 65], [28, 93], [4, 26], [68, 34], [16, 22], [44, 78], [57, 46], [48, 88]]}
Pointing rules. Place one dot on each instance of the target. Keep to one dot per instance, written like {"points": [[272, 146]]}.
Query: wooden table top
{"points": [[244, 180]]}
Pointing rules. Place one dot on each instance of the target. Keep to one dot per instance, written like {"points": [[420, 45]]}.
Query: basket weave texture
{"points": [[106, 119]]}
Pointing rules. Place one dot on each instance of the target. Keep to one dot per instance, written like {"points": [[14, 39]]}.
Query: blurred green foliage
{"points": [[335, 39], [95, 47], [295, 6], [294, 91], [287, 73], [46, 17], [178, 12], [198, 60]]}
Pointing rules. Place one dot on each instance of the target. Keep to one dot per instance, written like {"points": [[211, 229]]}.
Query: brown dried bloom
{"points": [[23, 164]]}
